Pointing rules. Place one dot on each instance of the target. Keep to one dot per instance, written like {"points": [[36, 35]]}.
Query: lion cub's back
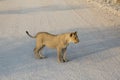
{"points": [[47, 39], [45, 36]]}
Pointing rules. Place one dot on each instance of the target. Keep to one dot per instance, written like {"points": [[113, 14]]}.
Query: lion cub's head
{"points": [[73, 37]]}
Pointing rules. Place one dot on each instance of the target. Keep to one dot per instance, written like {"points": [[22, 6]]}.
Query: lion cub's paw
{"points": [[43, 57], [65, 60], [62, 61], [39, 57]]}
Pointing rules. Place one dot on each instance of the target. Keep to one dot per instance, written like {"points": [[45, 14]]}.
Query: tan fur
{"points": [[60, 42]]}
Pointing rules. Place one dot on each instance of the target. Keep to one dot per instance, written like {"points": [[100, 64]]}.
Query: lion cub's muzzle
{"points": [[77, 41]]}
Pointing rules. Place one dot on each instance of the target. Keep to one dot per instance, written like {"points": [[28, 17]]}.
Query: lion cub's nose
{"points": [[77, 41]]}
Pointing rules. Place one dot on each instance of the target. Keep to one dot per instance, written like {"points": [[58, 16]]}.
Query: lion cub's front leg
{"points": [[65, 55], [60, 55]]}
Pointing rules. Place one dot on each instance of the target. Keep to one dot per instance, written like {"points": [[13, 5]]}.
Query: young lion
{"points": [[60, 42]]}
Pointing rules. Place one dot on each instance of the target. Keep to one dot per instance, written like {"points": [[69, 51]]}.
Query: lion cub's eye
{"points": [[75, 37]]}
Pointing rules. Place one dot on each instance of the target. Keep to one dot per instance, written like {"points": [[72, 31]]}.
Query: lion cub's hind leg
{"points": [[36, 53], [38, 49], [40, 53]]}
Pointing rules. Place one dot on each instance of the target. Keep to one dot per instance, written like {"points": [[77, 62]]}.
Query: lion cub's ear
{"points": [[75, 32]]}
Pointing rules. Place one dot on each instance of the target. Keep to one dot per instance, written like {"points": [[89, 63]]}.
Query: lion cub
{"points": [[60, 42]]}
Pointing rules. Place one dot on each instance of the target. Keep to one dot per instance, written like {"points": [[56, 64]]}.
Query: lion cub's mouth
{"points": [[76, 42]]}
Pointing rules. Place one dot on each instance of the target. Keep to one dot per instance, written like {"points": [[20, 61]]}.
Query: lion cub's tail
{"points": [[30, 35]]}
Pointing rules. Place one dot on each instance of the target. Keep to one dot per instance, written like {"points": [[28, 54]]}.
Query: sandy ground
{"points": [[96, 57]]}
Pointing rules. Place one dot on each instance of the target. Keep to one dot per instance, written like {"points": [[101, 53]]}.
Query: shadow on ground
{"points": [[95, 42], [18, 54], [43, 8]]}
